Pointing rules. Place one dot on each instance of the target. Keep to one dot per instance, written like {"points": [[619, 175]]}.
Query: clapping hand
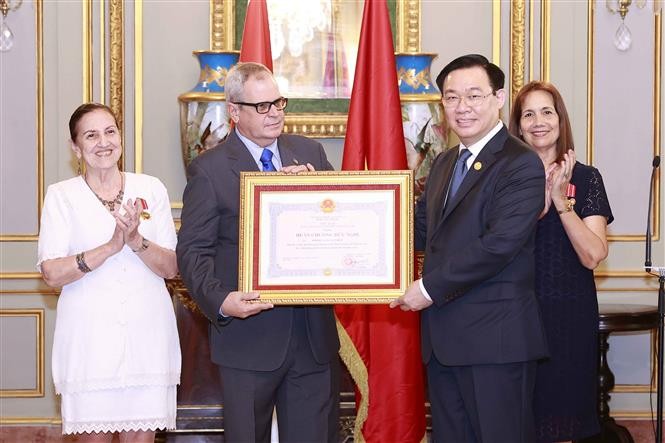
{"points": [[128, 223], [549, 175], [561, 178]]}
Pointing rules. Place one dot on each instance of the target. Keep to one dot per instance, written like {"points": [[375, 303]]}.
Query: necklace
{"points": [[117, 200]]}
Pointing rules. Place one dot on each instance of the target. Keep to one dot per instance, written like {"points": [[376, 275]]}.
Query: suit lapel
{"points": [[483, 162], [239, 157], [286, 152], [442, 181]]}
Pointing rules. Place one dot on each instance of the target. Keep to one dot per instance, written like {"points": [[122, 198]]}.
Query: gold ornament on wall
{"points": [[623, 38], [6, 34]]}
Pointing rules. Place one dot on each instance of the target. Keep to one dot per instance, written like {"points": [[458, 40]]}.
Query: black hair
{"points": [[495, 74]]}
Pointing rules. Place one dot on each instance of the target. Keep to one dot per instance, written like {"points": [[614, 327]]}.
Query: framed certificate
{"points": [[326, 237]]}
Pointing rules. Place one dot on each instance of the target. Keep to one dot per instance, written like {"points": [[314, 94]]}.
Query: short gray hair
{"points": [[239, 74]]}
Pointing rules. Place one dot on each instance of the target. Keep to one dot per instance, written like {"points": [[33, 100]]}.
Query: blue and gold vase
{"points": [[425, 128], [204, 120]]}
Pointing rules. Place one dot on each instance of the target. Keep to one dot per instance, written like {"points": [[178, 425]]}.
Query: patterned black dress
{"points": [[565, 403]]}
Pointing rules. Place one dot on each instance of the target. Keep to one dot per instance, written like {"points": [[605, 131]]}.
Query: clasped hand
{"points": [[126, 226]]}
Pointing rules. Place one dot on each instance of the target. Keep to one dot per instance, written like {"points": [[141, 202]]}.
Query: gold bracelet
{"points": [[569, 206]]}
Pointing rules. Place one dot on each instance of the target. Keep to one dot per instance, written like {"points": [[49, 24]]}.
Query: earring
{"points": [[78, 170]]}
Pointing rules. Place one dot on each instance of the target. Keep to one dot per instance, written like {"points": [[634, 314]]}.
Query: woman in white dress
{"points": [[108, 239]]}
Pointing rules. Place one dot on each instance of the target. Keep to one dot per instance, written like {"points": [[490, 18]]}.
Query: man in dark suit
{"points": [[282, 357], [480, 324]]}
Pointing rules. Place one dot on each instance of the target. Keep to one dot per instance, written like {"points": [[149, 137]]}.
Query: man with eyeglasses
{"points": [[269, 357], [480, 323]]}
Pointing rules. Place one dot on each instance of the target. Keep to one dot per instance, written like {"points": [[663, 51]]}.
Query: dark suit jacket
{"points": [[208, 258], [479, 257]]}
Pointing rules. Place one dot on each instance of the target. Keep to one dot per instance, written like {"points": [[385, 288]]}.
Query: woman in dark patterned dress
{"points": [[570, 242]]}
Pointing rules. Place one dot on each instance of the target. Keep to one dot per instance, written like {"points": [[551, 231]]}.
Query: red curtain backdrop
{"points": [[380, 346], [256, 35]]}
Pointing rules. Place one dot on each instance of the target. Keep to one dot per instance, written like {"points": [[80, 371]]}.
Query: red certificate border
{"points": [[256, 252]]}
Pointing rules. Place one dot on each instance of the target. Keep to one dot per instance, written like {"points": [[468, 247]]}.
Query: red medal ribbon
{"points": [[145, 215], [570, 191]]}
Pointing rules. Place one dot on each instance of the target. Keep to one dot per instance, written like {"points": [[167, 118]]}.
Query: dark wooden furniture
{"points": [[616, 318]]}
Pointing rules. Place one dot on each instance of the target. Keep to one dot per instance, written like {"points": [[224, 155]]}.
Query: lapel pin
{"points": [[477, 166]]}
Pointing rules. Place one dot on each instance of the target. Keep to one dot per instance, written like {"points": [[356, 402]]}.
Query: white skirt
{"points": [[138, 408]]}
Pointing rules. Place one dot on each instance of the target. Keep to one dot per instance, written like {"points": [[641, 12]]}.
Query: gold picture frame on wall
{"points": [[319, 118]]}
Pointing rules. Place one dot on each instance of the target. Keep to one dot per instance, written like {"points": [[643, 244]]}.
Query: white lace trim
{"points": [[168, 423], [74, 386]]}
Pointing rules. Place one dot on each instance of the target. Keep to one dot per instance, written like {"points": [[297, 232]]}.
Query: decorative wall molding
{"points": [[517, 46], [39, 119], [657, 101], [38, 391], [545, 50], [117, 69]]}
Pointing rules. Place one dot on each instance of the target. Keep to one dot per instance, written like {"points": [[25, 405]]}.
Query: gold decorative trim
{"points": [[418, 98], [39, 17], [222, 24], [86, 46], [202, 96], [116, 71], [627, 415], [19, 237], [39, 49], [30, 291], [39, 335], [531, 34], [138, 86], [623, 290], [633, 237], [632, 389], [408, 26], [621, 274], [20, 275], [496, 32], [356, 366], [545, 33], [517, 41], [316, 125], [102, 51], [657, 107], [30, 421]]}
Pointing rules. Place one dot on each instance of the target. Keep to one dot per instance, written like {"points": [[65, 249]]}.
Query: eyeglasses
{"points": [[452, 100], [264, 107]]}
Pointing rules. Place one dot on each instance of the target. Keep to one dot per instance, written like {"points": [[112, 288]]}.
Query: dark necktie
{"points": [[266, 160], [459, 172]]}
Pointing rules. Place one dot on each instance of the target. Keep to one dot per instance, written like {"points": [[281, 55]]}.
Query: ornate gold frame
{"points": [[252, 189], [318, 125], [517, 45]]}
